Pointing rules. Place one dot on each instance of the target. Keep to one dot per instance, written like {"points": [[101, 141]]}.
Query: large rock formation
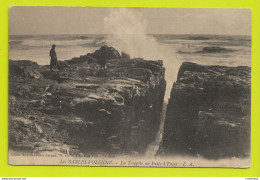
{"points": [[100, 56], [208, 113], [24, 69], [105, 52], [81, 109]]}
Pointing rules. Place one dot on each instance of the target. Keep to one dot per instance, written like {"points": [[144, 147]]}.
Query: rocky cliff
{"points": [[82, 109], [208, 113]]}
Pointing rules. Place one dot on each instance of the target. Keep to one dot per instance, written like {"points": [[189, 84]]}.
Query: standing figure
{"points": [[53, 56], [103, 60]]}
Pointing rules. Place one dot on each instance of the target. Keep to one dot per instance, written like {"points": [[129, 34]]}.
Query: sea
{"points": [[229, 50], [173, 49]]}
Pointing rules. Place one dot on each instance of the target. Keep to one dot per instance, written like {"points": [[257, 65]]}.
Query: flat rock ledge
{"points": [[82, 109]]}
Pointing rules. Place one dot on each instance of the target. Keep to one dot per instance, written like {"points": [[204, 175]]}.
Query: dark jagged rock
{"points": [[125, 55], [153, 66], [208, 113], [82, 109], [105, 53], [99, 56], [24, 69]]}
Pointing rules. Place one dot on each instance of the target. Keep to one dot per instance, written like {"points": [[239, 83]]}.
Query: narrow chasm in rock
{"points": [[208, 114], [82, 109]]}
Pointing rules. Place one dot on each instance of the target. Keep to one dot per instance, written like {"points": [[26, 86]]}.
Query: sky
{"points": [[90, 20]]}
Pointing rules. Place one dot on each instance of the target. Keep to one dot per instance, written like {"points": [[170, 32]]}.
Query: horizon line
{"points": [[131, 34]]}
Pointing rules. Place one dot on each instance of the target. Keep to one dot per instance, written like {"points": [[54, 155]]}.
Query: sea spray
{"points": [[153, 147], [127, 28], [128, 32]]}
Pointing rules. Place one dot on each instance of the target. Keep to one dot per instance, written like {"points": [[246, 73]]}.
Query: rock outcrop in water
{"points": [[81, 109], [208, 113], [215, 50], [210, 50]]}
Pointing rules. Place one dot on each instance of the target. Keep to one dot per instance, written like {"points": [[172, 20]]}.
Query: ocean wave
{"points": [[212, 43], [198, 38], [184, 52], [92, 37], [83, 37], [95, 43], [181, 37], [56, 37], [243, 42], [33, 43], [234, 39], [15, 42]]}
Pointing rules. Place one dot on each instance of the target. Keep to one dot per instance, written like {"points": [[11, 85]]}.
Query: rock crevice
{"points": [[208, 113]]}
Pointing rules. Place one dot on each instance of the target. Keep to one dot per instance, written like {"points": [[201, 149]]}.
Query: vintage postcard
{"points": [[148, 87]]}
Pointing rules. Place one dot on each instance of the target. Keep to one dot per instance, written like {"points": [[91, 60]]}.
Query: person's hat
{"points": [[53, 45]]}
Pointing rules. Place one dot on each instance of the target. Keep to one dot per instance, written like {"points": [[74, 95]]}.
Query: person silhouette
{"points": [[53, 56]]}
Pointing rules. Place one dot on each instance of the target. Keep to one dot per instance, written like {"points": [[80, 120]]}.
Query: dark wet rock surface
{"points": [[82, 109], [208, 113]]}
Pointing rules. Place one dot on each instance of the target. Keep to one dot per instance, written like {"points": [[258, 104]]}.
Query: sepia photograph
{"points": [[121, 86]]}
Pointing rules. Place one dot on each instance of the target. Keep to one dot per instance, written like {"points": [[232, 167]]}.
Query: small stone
{"points": [[32, 117], [44, 140]]}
